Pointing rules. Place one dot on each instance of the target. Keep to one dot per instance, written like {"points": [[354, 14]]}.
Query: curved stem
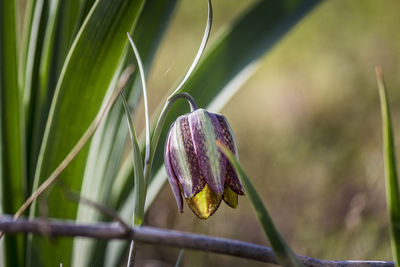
{"points": [[201, 48], [187, 96], [176, 95], [159, 126]]}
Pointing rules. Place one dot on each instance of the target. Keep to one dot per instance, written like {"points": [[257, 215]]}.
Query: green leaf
{"points": [[46, 58], [12, 174], [41, 84], [283, 253], [70, 21], [23, 43], [138, 187], [139, 190], [84, 9], [30, 59], [50, 37], [392, 183], [85, 78]]}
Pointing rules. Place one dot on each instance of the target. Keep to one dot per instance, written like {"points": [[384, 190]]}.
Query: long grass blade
{"points": [[202, 47], [30, 57], [24, 40], [46, 55], [12, 175], [41, 83], [50, 38], [392, 183], [283, 253], [71, 19], [146, 108], [139, 186]]}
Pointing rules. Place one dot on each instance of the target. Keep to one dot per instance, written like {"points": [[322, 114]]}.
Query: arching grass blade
{"points": [[392, 183], [283, 253]]}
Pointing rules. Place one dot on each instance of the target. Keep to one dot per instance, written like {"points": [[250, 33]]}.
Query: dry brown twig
{"points": [[152, 235]]}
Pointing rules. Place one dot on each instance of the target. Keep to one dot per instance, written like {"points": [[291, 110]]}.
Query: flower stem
{"points": [[188, 97], [159, 126], [176, 95], [202, 47]]}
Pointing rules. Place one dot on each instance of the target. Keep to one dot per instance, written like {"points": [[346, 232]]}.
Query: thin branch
{"points": [[152, 235]]}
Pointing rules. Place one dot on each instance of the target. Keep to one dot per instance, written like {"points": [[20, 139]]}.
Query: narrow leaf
{"points": [[23, 40], [51, 37], [392, 183], [139, 187], [146, 109], [140, 184], [200, 51], [12, 175], [41, 84], [283, 253], [30, 58], [71, 18]]}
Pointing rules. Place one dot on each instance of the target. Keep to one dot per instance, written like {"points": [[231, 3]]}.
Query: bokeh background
{"points": [[308, 129]]}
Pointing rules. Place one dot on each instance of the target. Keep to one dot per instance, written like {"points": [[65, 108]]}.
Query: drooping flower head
{"points": [[195, 166]]}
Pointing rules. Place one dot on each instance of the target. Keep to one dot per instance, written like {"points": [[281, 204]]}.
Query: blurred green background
{"points": [[308, 129]]}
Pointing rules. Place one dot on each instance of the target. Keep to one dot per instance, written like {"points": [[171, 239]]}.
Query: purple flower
{"points": [[196, 167]]}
